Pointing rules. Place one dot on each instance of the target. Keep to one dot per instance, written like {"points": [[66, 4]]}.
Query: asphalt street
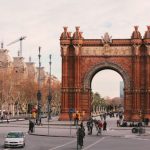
{"points": [[112, 139]]}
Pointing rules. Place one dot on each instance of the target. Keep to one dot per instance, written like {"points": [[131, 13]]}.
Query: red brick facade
{"points": [[83, 58]]}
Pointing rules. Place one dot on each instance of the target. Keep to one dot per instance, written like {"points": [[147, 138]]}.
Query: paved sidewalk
{"points": [[67, 129]]}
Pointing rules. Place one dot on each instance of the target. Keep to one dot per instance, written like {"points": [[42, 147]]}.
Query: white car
{"points": [[15, 139]]}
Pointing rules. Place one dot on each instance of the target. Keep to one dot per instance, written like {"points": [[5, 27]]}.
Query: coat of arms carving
{"points": [[106, 39]]}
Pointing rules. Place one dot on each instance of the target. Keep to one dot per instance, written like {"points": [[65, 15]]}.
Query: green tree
{"points": [[97, 101]]}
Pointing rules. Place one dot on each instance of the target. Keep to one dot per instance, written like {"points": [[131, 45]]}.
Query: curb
{"points": [[34, 134], [125, 128], [11, 120]]}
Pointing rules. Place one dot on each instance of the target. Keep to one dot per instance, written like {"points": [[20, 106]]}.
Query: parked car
{"points": [[15, 139]]}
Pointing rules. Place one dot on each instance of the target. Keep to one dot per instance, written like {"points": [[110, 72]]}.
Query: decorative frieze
{"points": [[107, 50]]}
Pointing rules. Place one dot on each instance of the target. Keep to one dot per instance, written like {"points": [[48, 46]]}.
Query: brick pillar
{"points": [[147, 115], [136, 82], [64, 92], [77, 78], [127, 104]]}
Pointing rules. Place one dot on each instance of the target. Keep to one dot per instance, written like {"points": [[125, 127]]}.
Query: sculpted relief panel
{"points": [[107, 50]]}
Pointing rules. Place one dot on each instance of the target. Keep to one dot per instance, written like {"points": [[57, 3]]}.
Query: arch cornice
{"points": [[106, 65]]}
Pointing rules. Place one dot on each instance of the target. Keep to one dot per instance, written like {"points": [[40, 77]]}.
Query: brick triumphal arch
{"points": [[83, 58]]}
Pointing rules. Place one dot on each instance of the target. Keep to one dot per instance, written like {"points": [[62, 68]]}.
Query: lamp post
{"points": [[39, 95], [49, 94]]}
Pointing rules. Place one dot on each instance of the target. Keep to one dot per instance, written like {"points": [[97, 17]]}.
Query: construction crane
{"points": [[20, 39]]}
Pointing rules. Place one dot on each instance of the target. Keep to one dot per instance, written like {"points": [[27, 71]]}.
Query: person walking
{"points": [[40, 121], [31, 127], [105, 126], [80, 135], [76, 119], [118, 123], [7, 118], [99, 127], [90, 126], [2, 117]]}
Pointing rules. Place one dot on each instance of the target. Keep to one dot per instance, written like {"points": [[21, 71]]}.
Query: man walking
{"points": [[80, 135], [105, 126]]}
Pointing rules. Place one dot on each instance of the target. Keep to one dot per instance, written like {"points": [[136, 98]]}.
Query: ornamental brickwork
{"points": [[83, 58]]}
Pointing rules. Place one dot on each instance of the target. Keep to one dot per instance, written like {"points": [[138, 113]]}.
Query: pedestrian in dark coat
{"points": [[88, 127], [81, 135], [105, 126], [118, 123], [31, 126]]}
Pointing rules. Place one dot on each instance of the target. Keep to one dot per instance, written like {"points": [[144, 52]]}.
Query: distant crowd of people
{"points": [[123, 123], [99, 125]]}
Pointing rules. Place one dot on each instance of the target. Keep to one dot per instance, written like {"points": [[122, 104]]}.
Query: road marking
{"points": [[62, 145], [130, 136], [94, 143]]}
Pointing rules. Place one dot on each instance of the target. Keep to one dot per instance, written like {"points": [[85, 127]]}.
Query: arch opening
{"points": [[118, 69], [107, 88]]}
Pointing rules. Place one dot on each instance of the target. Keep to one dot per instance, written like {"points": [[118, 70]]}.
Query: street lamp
{"points": [[50, 94], [39, 95]]}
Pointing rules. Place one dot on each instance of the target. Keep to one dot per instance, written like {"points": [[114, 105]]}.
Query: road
{"points": [[112, 139]]}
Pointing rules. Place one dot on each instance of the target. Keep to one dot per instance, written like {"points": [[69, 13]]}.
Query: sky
{"points": [[42, 21], [107, 83]]}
